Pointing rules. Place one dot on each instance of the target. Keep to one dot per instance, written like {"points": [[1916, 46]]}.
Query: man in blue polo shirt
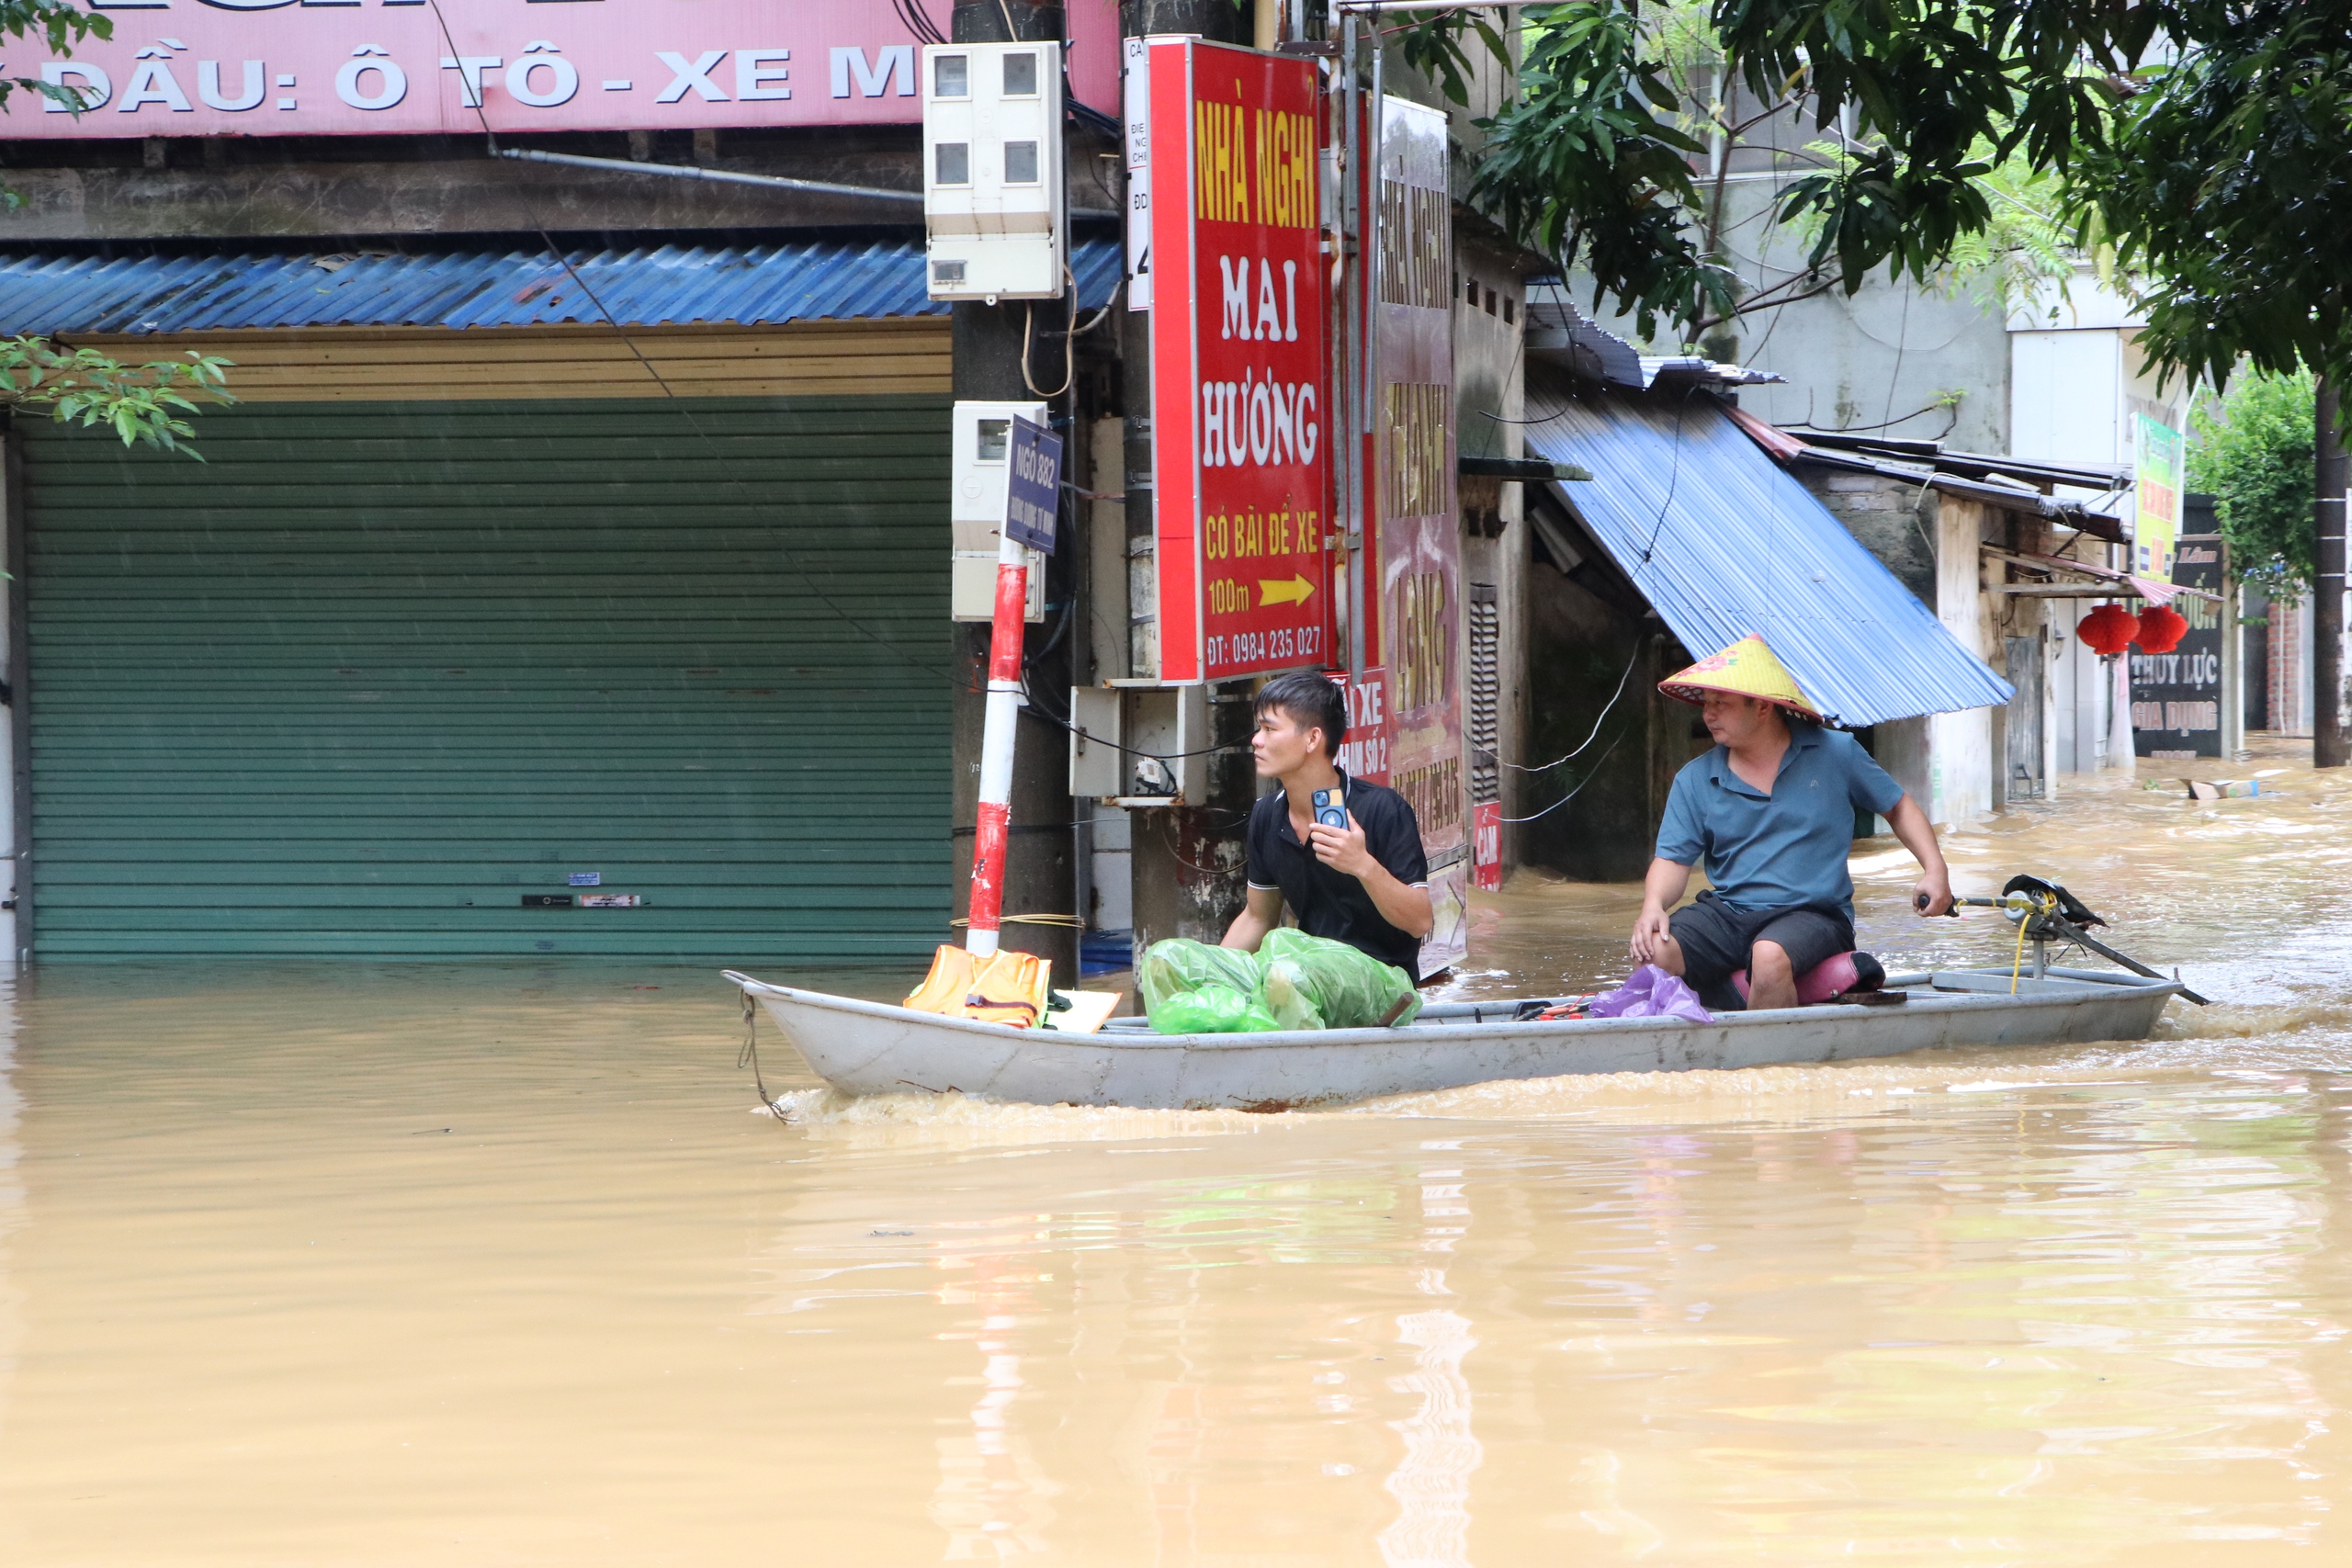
{"points": [[1771, 811]]}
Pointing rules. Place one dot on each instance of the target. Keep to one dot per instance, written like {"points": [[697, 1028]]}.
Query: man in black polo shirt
{"points": [[1366, 884]]}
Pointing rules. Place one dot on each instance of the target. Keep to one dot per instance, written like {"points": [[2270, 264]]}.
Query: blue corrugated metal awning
{"points": [[669, 284], [1724, 542]]}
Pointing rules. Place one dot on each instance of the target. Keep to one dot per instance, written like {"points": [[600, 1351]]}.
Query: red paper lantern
{"points": [[2108, 630], [2161, 630]]}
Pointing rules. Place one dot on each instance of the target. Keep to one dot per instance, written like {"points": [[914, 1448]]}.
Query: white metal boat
{"points": [[864, 1048]]}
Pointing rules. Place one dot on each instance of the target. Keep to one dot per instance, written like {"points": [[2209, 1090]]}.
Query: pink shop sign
{"points": [[410, 67]]}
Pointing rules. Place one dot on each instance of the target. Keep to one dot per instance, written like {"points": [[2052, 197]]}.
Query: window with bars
{"points": [[1485, 694]]}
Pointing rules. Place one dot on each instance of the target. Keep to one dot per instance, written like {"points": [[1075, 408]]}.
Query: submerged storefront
{"points": [[481, 631]]}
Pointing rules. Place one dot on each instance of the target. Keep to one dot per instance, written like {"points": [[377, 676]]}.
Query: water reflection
{"points": [[993, 1499], [1432, 1483]]}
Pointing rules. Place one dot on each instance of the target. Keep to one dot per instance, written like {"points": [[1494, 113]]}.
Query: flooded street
{"points": [[416, 1264]]}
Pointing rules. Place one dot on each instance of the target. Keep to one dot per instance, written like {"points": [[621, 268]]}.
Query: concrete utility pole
{"points": [[1188, 860], [2327, 622], [1041, 868]]}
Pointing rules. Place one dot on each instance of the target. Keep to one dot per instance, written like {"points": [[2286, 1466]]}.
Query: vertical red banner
{"points": [[1239, 402], [1486, 843]]}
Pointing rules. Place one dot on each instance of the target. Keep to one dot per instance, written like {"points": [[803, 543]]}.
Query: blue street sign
{"points": [[1033, 491]]}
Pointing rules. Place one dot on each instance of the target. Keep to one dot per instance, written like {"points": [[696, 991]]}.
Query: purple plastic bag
{"points": [[1651, 992]]}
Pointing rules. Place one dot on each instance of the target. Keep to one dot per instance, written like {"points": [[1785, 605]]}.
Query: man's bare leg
{"points": [[1770, 982], [1669, 955]]}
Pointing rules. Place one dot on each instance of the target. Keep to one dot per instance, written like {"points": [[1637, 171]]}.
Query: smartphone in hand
{"points": [[1330, 812]]}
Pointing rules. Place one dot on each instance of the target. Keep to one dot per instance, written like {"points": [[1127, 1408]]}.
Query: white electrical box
{"points": [[971, 586], [1144, 744], [1098, 769], [993, 192], [981, 444]]}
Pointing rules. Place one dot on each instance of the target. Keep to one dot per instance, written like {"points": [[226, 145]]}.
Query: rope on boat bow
{"points": [[750, 1056]]}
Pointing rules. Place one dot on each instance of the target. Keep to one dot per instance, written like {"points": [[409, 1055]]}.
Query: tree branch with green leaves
{"points": [[2251, 451], [2203, 140], [61, 24], [142, 403]]}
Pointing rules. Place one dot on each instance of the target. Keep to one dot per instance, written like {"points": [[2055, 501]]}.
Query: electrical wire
{"points": [[1067, 923], [1518, 349], [1901, 340], [1069, 342], [1544, 419], [1674, 474], [1596, 723], [1581, 784], [1853, 429], [918, 21]]}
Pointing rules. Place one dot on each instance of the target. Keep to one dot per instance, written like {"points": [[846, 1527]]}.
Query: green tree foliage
{"points": [[1598, 163], [2251, 450], [2223, 185], [80, 386], [2205, 140], [1589, 166], [138, 403], [58, 23]]}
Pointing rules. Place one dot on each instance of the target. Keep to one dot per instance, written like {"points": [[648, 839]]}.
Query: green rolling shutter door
{"points": [[373, 674]]}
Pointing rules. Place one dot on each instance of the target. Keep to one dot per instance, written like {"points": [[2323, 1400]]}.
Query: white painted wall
{"points": [[2076, 377], [2067, 397], [1960, 745], [1112, 871]]}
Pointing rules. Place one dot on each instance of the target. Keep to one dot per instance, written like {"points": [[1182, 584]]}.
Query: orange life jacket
{"points": [[1004, 987]]}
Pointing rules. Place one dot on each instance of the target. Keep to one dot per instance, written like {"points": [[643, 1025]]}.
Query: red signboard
{"points": [[1240, 408], [1364, 754], [402, 67], [1486, 843]]}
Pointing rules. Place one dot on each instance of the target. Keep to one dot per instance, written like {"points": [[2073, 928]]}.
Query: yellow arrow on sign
{"points": [[1296, 590]]}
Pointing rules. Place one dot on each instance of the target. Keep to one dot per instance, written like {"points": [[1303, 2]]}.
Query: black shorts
{"points": [[1715, 940]]}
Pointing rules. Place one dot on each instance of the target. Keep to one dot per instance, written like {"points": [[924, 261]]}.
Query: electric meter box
{"points": [[981, 444], [994, 198], [971, 587]]}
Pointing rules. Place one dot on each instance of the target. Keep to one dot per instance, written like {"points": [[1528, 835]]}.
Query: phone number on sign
{"points": [[1289, 645]]}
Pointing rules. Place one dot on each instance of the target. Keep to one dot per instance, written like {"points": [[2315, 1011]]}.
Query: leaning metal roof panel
{"points": [[1724, 542], [667, 284]]}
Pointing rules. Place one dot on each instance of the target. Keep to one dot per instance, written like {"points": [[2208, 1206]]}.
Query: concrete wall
{"points": [[2078, 377], [267, 188], [1883, 360], [1891, 518], [1960, 745], [1489, 383], [1581, 647], [1956, 765]]}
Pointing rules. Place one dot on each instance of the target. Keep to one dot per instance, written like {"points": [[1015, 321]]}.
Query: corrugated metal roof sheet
{"points": [[1558, 334], [1723, 542], [677, 285]]}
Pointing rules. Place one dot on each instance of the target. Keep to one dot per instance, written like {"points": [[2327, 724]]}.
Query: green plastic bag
{"points": [[1180, 964], [1211, 1010], [1312, 982]]}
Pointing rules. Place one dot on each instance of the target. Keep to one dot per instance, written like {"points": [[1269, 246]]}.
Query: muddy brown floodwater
{"points": [[311, 1264]]}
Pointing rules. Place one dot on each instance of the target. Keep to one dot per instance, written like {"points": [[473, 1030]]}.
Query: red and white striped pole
{"points": [[996, 747]]}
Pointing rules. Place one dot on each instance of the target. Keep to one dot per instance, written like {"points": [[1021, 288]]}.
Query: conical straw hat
{"points": [[1746, 669]]}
